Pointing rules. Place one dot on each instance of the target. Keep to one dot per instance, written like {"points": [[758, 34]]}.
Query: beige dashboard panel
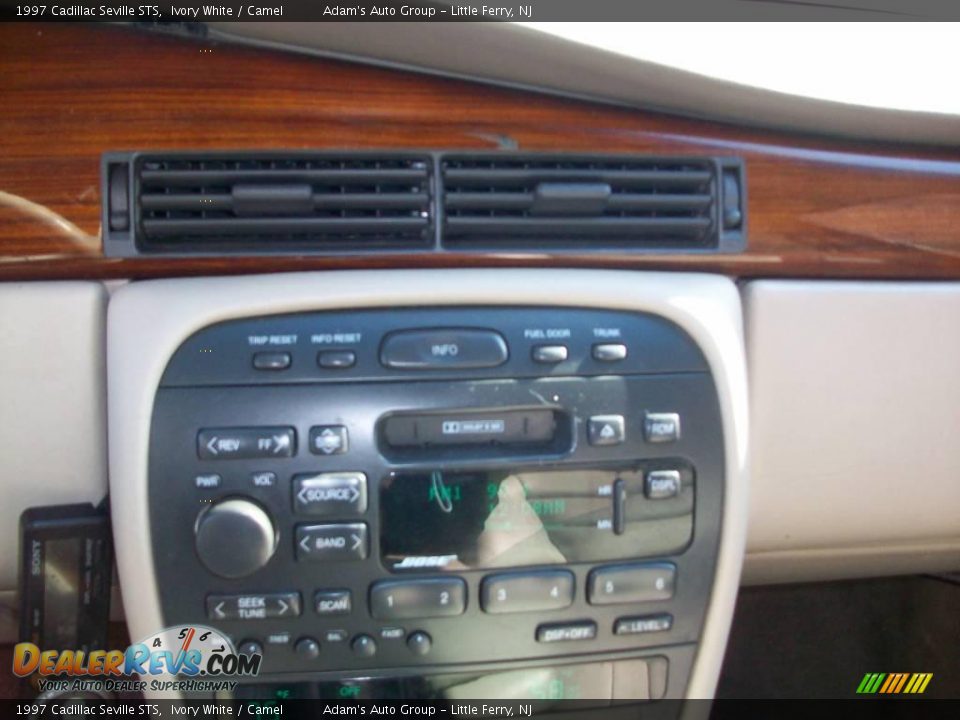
{"points": [[855, 441], [53, 444], [149, 320]]}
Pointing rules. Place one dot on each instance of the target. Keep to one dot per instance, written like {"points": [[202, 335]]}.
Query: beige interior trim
{"points": [[517, 56], [53, 442], [149, 320], [855, 407]]}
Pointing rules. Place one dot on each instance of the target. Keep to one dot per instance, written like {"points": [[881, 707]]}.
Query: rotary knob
{"points": [[235, 538]]}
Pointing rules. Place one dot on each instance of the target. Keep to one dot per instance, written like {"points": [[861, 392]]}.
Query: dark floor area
{"points": [[818, 640]]}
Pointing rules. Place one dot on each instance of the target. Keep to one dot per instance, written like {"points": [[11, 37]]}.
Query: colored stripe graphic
{"points": [[894, 683]]}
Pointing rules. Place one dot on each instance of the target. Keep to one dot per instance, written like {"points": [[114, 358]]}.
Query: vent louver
{"points": [[354, 202], [559, 202], [284, 203]]}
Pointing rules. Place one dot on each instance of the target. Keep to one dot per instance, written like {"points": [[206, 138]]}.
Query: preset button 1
{"points": [[405, 599]]}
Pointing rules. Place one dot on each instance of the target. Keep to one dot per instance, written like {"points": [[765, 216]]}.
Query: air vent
{"points": [[588, 203], [319, 203], [296, 203]]}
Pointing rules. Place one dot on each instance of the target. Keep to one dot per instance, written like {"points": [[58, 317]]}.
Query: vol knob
{"points": [[235, 538]]}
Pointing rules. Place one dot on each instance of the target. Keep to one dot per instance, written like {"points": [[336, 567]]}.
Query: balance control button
{"points": [[326, 494], [631, 583], [643, 625], [364, 646], [661, 484], [609, 352], [527, 592], [243, 443], [329, 440], [335, 636], [333, 602], [234, 538], [261, 606], [606, 430], [443, 349], [210, 481], [564, 632], [419, 643], [263, 479], [250, 647], [661, 427], [549, 354], [272, 360], [333, 542], [406, 599], [307, 648], [336, 359]]}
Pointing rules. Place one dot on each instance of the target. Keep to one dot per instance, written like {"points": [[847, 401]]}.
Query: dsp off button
{"points": [[408, 599], [642, 582], [329, 494], [567, 632], [253, 606], [443, 349], [243, 443], [332, 542]]}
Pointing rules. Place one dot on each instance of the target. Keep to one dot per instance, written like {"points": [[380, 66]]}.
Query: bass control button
{"points": [[328, 494], [443, 349], [406, 599], [565, 632], [332, 542]]}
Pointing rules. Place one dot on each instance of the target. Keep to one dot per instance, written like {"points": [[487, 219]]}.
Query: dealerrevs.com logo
{"points": [[180, 658]]}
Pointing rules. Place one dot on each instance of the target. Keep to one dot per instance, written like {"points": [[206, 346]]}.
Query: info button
{"points": [[443, 349], [330, 494]]}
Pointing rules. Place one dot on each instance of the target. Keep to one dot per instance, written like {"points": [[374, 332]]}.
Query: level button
{"points": [[643, 625], [443, 349]]}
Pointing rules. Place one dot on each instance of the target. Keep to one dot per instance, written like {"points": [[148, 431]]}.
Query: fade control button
{"points": [[661, 484], [419, 643], [333, 602], [643, 625], [606, 430], [329, 440], [566, 632]]}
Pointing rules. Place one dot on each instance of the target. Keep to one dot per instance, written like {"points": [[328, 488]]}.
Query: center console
{"points": [[448, 489]]}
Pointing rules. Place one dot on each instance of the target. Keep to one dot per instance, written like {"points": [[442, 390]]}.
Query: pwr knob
{"points": [[235, 538]]}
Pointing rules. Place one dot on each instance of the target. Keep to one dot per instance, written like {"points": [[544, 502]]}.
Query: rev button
{"points": [[333, 542], [242, 443], [329, 494]]}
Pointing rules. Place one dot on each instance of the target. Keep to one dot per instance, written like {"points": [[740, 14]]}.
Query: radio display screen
{"points": [[457, 521]]}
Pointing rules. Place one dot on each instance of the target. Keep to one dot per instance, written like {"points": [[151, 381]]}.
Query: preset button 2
{"points": [[406, 599]]}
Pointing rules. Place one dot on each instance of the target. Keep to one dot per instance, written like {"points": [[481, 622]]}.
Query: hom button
{"points": [[661, 427], [446, 349]]}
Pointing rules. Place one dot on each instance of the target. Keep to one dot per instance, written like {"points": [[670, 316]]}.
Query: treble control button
{"points": [[364, 646]]}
